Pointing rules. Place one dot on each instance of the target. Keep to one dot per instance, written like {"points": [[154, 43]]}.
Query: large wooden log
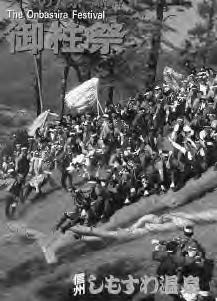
{"points": [[153, 224], [131, 214]]}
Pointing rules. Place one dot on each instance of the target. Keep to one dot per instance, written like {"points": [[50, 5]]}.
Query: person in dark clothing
{"points": [[170, 260], [199, 268], [68, 220], [187, 239], [171, 263], [71, 218], [66, 158], [22, 164]]}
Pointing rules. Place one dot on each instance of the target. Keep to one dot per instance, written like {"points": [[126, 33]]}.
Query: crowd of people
{"points": [[185, 257], [154, 142]]}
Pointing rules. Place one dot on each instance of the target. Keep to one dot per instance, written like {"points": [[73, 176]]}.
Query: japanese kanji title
{"points": [[146, 284], [71, 37]]}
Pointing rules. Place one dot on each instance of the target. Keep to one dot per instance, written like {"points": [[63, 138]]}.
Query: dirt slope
{"points": [[24, 274]]}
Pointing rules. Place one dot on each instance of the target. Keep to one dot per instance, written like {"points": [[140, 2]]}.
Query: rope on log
{"points": [[147, 224], [140, 213], [152, 224]]}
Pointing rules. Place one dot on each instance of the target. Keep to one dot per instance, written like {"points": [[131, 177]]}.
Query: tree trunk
{"points": [[38, 70], [111, 88], [211, 24], [89, 74], [110, 95], [63, 88], [38, 83], [20, 2], [155, 44], [77, 69]]}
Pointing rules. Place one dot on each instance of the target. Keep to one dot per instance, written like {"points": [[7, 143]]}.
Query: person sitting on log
{"points": [[68, 220]]}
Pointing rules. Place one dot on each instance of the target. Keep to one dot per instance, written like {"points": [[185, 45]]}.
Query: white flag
{"points": [[41, 121], [172, 78], [84, 96]]}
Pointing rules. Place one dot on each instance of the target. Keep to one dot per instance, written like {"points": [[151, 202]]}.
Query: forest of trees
{"points": [[137, 59]]}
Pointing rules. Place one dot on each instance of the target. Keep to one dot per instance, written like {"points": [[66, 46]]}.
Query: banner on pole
{"points": [[172, 78], [83, 96], [41, 121]]}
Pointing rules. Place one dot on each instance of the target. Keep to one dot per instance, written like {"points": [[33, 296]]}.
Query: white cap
{"points": [[204, 293], [176, 128], [202, 134], [154, 241], [187, 128], [188, 229]]}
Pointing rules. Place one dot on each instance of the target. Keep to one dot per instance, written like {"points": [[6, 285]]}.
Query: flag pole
{"points": [[97, 104], [39, 83]]}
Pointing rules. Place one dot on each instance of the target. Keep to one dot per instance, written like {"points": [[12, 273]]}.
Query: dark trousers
{"points": [[66, 177]]}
